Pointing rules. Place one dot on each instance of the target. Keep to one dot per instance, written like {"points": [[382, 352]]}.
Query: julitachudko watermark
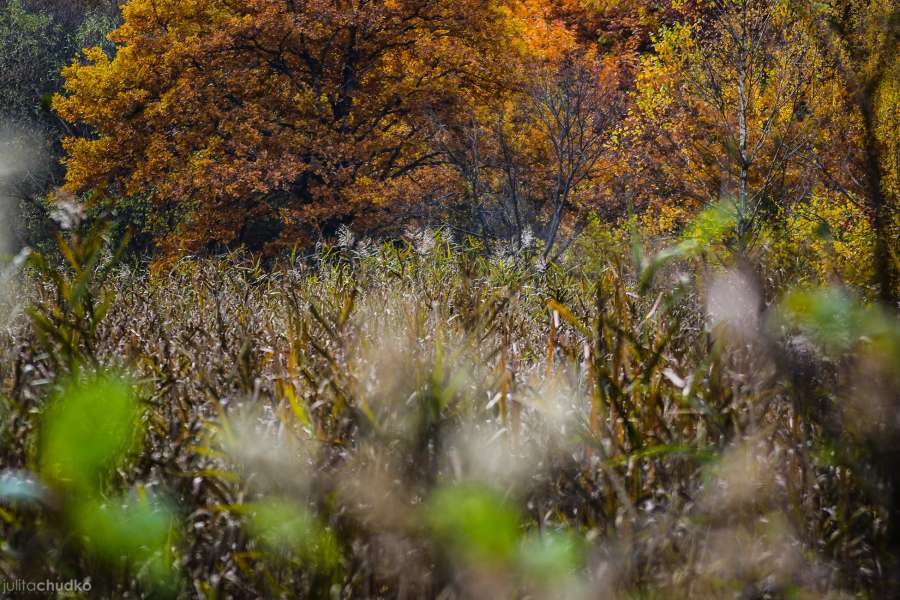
{"points": [[23, 586]]}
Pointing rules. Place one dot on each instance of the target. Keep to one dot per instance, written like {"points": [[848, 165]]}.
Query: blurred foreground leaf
{"points": [[86, 431], [133, 529], [287, 527], [551, 557], [475, 523], [837, 322]]}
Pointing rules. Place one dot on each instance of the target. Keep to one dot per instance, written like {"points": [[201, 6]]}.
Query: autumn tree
{"points": [[577, 108], [497, 155], [859, 42], [535, 159], [720, 113], [255, 121]]}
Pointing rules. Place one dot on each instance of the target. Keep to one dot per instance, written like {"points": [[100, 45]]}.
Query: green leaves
{"points": [[831, 316], [134, 529], [289, 528], [837, 322], [86, 431], [475, 523], [478, 527], [712, 224], [551, 557]]}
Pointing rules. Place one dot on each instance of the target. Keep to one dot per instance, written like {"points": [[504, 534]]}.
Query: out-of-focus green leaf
{"points": [[134, 529], [287, 527], [87, 429], [475, 523], [830, 316], [662, 258], [836, 321], [840, 325], [550, 557], [823, 231]]}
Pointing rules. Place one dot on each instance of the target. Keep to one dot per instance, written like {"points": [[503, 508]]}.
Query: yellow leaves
{"points": [[665, 219], [720, 93], [533, 33], [93, 155], [676, 45], [96, 56], [887, 126], [830, 234]]}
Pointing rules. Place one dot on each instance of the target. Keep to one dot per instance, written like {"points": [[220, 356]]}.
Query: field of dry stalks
{"points": [[421, 419]]}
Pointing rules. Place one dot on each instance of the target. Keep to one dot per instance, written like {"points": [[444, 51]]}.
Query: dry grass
{"points": [[416, 419]]}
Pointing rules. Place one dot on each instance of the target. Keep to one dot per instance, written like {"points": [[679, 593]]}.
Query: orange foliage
{"points": [[265, 120]]}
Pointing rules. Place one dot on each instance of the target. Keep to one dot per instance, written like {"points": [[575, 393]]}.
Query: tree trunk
{"points": [[743, 192], [887, 277], [554, 229]]}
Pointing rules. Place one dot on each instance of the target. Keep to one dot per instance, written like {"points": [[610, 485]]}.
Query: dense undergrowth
{"points": [[421, 418]]}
